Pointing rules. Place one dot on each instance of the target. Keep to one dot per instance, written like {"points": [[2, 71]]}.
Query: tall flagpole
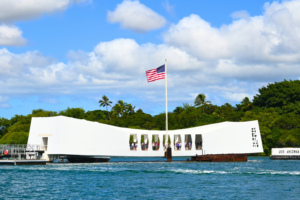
{"points": [[166, 138]]}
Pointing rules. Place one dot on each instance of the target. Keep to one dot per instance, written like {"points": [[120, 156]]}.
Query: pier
{"points": [[22, 154]]}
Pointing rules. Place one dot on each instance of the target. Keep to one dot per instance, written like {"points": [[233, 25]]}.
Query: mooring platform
{"points": [[23, 162], [221, 158]]}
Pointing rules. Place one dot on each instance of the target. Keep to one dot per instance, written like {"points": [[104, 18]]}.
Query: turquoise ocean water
{"points": [[259, 178]]}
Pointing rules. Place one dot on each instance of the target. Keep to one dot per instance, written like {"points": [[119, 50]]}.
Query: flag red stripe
{"points": [[152, 75]]}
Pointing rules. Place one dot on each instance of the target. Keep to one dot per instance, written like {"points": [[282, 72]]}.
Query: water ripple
{"points": [[259, 178]]}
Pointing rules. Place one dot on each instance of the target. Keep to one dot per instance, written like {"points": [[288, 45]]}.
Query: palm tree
{"points": [[105, 102], [120, 107], [200, 100], [246, 104], [130, 108]]}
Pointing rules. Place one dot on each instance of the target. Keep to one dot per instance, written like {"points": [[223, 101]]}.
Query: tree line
{"points": [[276, 107]]}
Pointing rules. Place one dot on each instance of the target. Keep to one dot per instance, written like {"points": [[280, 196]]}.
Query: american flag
{"points": [[155, 74]]}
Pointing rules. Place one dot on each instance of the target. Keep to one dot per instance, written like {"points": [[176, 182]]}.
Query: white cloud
{"points": [[226, 63], [116, 65], [11, 36], [169, 8], [271, 37], [3, 99], [135, 16], [4, 105], [120, 65], [15, 65], [19, 10], [240, 15]]}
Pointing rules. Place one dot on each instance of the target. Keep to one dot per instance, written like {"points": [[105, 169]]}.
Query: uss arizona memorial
{"points": [[82, 140]]}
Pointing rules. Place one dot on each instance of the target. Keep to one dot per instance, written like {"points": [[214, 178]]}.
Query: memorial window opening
{"points": [[188, 142], [144, 142], [177, 142], [164, 141], [133, 142], [155, 142], [198, 142]]}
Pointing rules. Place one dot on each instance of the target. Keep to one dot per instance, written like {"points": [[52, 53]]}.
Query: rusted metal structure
{"points": [[168, 154], [221, 158]]}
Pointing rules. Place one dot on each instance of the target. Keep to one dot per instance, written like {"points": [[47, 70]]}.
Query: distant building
{"points": [[286, 153]]}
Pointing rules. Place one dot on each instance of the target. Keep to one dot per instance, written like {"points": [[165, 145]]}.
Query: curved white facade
{"points": [[69, 136]]}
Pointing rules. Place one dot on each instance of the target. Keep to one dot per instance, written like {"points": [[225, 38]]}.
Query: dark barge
{"points": [[220, 158]]}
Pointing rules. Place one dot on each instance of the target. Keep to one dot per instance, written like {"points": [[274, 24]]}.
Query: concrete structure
{"points": [[21, 154], [80, 140], [285, 154], [23, 162]]}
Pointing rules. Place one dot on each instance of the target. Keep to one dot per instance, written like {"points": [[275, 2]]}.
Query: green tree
{"points": [[291, 108], [120, 108], [278, 94], [178, 113], [178, 110], [200, 100], [140, 111], [149, 125], [15, 138], [73, 112], [96, 115], [246, 104], [130, 109], [17, 128], [4, 124], [104, 102], [219, 112]]}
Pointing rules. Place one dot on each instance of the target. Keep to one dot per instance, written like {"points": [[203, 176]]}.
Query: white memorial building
{"points": [[78, 139]]}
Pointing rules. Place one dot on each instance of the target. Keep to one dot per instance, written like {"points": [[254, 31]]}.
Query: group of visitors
{"points": [[145, 146], [133, 145], [188, 146], [177, 145], [155, 146]]}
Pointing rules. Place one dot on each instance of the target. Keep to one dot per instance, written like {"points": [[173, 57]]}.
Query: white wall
{"points": [[80, 137]]}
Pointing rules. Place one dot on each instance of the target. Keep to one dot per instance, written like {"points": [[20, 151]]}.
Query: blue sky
{"points": [[83, 26], [69, 53]]}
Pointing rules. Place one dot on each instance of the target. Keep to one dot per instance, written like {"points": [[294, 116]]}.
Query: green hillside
{"points": [[276, 107]]}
